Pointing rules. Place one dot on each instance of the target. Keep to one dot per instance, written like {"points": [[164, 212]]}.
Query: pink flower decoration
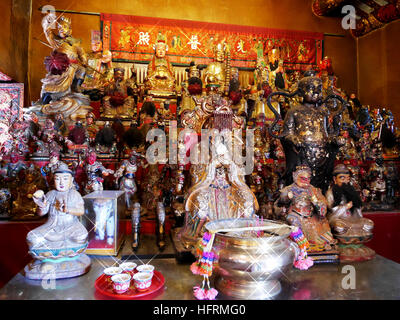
{"points": [[195, 268], [211, 294], [303, 264], [199, 293], [203, 294]]}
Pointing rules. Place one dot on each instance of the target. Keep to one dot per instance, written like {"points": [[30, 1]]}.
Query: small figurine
{"points": [[91, 128], [277, 75], [59, 124], [164, 115], [19, 136], [98, 69], [50, 140], [11, 170], [5, 204], [376, 185], [347, 222], [117, 103], [304, 206], [347, 148], [364, 145], [23, 207], [95, 172], [48, 170], [78, 139], [191, 87], [58, 245], [106, 140], [239, 104], [216, 74], [127, 172]]}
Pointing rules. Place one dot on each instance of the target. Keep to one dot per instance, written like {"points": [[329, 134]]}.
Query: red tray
{"points": [[105, 287]]}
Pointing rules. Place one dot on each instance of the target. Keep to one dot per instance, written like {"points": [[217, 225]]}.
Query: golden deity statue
{"points": [[160, 81], [217, 73], [99, 69], [61, 89]]}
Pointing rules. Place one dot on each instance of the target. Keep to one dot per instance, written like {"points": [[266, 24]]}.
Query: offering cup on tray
{"points": [[121, 282], [142, 281]]}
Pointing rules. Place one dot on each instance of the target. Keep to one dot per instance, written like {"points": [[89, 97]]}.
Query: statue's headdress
{"points": [[340, 169], [119, 69], [301, 169], [63, 168]]}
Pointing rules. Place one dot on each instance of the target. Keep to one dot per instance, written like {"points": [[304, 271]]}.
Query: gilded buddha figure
{"points": [[61, 89], [160, 81]]}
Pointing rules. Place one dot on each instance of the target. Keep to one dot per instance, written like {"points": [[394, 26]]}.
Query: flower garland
{"points": [[303, 262], [207, 258], [204, 266]]}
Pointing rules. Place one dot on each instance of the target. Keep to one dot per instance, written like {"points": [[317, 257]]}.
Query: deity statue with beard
{"points": [[346, 220]]}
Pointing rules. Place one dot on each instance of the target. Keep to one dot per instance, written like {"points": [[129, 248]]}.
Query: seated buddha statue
{"points": [[160, 81], [58, 245]]}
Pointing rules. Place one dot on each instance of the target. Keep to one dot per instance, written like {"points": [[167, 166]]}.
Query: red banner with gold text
{"points": [[131, 39]]}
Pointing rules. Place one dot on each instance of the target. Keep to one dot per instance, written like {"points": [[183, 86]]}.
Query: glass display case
{"points": [[103, 211]]}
